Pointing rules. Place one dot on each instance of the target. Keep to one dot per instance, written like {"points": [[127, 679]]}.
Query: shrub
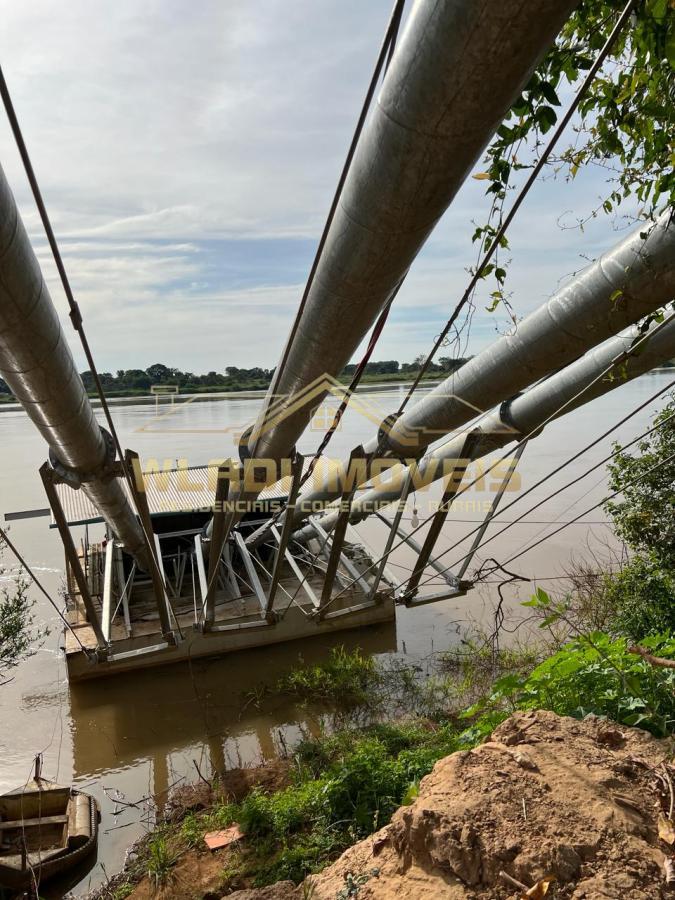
{"points": [[345, 679], [645, 515], [643, 597], [594, 674], [347, 786]]}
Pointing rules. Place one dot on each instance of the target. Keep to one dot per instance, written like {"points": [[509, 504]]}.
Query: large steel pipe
{"points": [[555, 397], [38, 366], [627, 283], [459, 66]]}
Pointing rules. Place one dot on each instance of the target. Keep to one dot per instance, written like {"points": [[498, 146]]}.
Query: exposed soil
{"points": [[231, 786], [546, 796]]}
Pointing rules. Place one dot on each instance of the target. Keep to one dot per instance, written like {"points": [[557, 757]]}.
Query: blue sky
{"points": [[188, 154]]}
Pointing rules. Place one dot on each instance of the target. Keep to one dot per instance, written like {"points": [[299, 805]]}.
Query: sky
{"points": [[188, 154]]}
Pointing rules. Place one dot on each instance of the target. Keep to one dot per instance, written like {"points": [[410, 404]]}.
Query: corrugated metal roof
{"points": [[168, 491]]}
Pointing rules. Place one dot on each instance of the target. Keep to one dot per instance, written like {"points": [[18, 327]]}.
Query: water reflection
{"points": [[118, 722]]}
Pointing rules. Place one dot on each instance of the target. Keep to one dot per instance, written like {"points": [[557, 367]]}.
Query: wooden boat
{"points": [[45, 830]]}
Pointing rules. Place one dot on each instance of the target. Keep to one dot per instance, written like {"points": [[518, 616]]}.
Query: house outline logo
{"points": [[309, 399]]}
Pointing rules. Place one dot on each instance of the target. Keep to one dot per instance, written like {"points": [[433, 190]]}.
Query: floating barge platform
{"points": [[260, 596]]}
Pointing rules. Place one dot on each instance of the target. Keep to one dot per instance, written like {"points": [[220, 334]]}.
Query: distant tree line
{"points": [[139, 381], [393, 367]]}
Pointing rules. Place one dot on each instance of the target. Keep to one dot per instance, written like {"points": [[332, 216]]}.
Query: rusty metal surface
{"points": [[176, 490]]}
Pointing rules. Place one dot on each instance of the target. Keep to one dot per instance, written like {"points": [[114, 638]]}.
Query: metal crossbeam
{"points": [[47, 475], [338, 534], [283, 538], [346, 562], [297, 571], [107, 608], [412, 543], [439, 518], [407, 487], [137, 485], [218, 538], [254, 581], [201, 572]]}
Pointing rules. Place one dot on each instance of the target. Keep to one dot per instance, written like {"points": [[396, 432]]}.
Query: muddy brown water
{"points": [[133, 737]]}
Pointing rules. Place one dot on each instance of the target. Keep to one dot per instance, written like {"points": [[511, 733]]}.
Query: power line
{"points": [[606, 499], [554, 494], [519, 522], [541, 162]]}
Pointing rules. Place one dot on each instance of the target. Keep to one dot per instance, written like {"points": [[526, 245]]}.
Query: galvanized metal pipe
{"points": [[37, 364], [625, 284], [521, 416], [458, 67], [628, 282]]}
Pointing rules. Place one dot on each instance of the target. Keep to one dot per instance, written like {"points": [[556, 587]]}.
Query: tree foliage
{"points": [[642, 595], [644, 516], [19, 635], [625, 123]]}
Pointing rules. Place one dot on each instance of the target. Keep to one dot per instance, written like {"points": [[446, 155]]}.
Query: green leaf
{"points": [[657, 8], [546, 118], [549, 93]]}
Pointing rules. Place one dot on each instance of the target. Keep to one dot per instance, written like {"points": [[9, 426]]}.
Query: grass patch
{"points": [[344, 787], [345, 679], [160, 860]]}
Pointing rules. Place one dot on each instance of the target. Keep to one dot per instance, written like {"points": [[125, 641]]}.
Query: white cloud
{"points": [[173, 143]]}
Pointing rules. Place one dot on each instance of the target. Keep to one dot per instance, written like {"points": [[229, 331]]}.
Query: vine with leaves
{"points": [[625, 124]]}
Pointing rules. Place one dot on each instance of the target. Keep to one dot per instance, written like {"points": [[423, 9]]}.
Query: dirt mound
{"points": [[547, 796]]}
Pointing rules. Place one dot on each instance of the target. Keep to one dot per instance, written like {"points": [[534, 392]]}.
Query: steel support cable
{"points": [[558, 491], [559, 520], [522, 194], [38, 584], [620, 358], [75, 313], [595, 506], [337, 418], [382, 64], [360, 369], [558, 469]]}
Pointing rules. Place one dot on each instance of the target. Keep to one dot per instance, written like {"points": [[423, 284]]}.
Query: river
{"points": [[135, 736]]}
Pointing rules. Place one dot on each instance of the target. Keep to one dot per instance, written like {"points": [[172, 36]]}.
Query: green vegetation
{"points": [[19, 636], [643, 592], [346, 679], [344, 786], [137, 382], [643, 597], [161, 860], [624, 125], [386, 722], [591, 675], [645, 515]]}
